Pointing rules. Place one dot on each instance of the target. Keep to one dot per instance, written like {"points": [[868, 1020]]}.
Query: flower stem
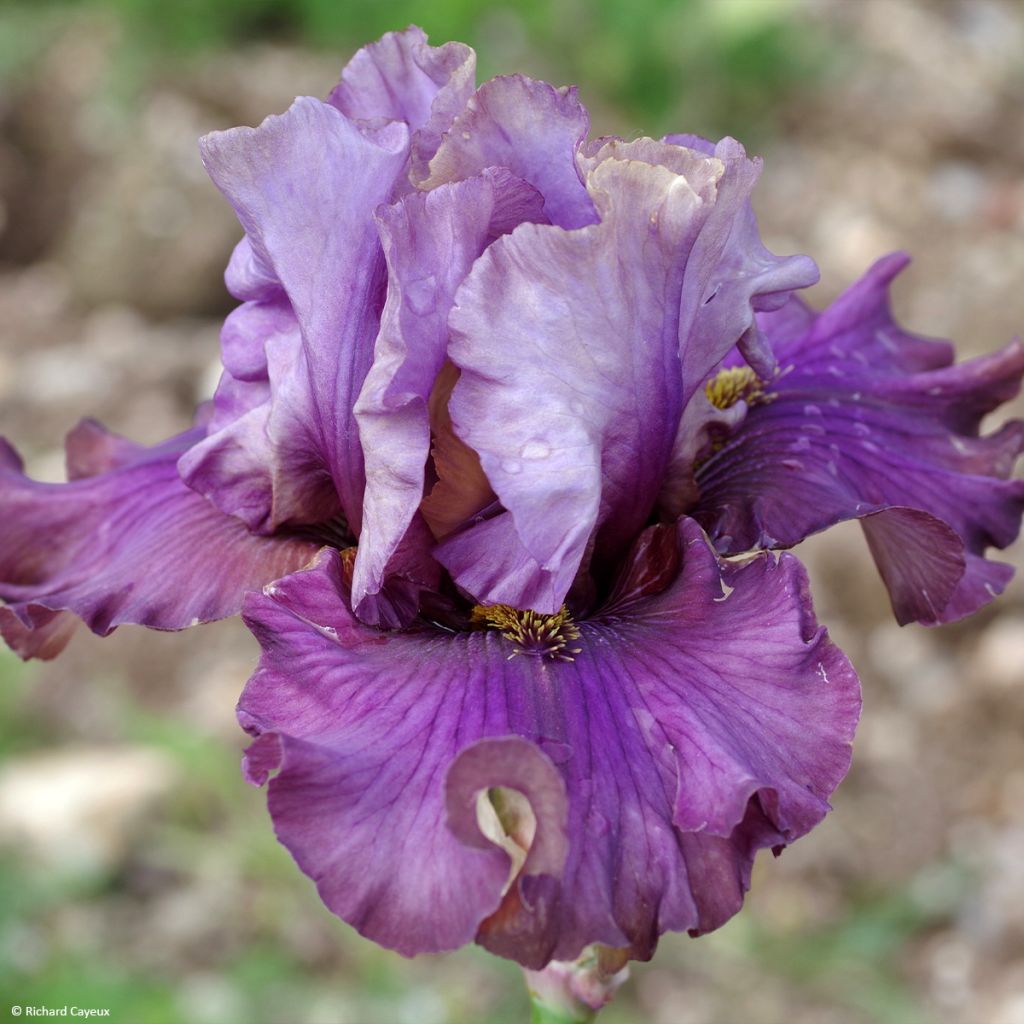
{"points": [[544, 1013], [573, 992]]}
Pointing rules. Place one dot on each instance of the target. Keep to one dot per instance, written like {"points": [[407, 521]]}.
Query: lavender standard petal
{"points": [[588, 319], [731, 275], [532, 129], [305, 185], [401, 78], [255, 462], [430, 241]]}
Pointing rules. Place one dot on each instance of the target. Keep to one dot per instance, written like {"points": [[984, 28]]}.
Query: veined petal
{"points": [[401, 78], [693, 728], [867, 421], [305, 185], [431, 241], [589, 319], [532, 129], [129, 543]]}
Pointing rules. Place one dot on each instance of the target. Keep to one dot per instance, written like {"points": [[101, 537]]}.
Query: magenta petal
{"points": [[532, 129], [920, 558], [45, 638], [867, 420], [431, 241], [305, 185], [132, 544], [401, 78], [694, 728], [363, 749]]}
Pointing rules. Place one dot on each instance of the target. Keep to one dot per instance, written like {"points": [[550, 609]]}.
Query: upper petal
{"points": [[258, 461], [305, 185], [731, 274], [568, 343], [401, 78], [532, 129], [692, 729], [430, 241]]}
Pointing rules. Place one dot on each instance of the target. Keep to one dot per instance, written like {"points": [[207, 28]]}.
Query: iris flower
{"points": [[500, 406]]}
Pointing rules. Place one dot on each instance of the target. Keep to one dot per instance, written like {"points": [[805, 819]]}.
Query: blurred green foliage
{"points": [[649, 66]]}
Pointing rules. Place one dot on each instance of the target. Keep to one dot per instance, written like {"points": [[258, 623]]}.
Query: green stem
{"points": [[544, 1013]]}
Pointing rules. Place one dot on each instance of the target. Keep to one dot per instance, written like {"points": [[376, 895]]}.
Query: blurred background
{"points": [[137, 871]]}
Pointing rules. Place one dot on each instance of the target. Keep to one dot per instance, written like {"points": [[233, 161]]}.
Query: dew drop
{"points": [[511, 466], [421, 295]]}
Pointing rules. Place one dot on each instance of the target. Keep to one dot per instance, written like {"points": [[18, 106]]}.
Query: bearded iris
{"points": [[496, 401]]}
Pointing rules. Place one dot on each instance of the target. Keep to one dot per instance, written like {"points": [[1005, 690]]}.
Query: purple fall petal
{"points": [[866, 420], [693, 728], [126, 541]]}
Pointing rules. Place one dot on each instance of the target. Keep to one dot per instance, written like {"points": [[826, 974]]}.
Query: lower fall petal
{"points": [[693, 728], [129, 545], [866, 418]]}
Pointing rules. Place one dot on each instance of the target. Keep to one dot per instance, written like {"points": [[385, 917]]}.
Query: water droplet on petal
{"points": [[421, 295], [511, 466], [535, 450]]}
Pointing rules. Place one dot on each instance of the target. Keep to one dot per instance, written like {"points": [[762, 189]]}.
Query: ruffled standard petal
{"points": [[731, 275], [129, 543], [431, 241], [694, 727], [532, 129], [255, 462], [305, 185], [570, 392], [401, 78], [867, 421]]}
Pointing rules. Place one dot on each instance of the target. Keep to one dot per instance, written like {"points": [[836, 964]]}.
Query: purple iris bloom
{"points": [[490, 383]]}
